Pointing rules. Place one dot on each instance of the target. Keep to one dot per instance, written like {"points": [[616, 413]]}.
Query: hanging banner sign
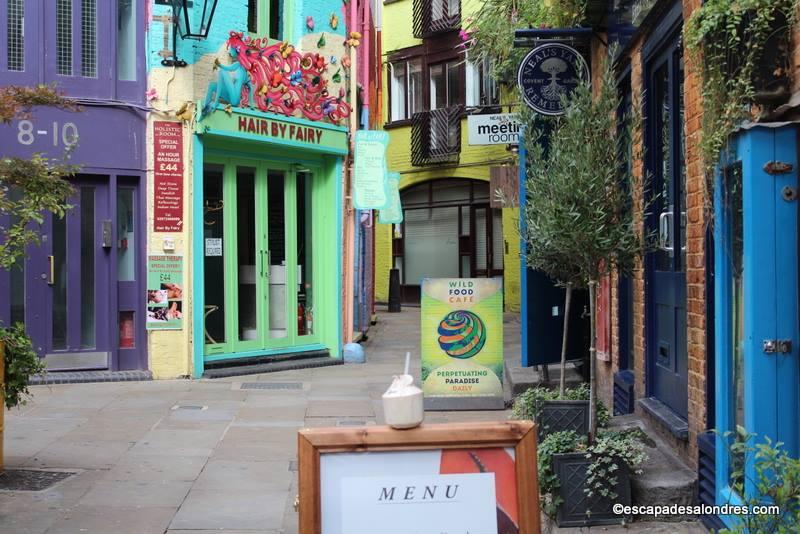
{"points": [[168, 176], [495, 129], [393, 213], [549, 72], [164, 292], [462, 343], [369, 181]]}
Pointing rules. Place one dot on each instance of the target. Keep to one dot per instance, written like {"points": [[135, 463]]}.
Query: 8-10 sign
{"points": [[66, 133]]}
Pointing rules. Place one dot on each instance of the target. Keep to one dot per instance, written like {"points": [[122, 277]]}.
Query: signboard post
{"points": [[168, 176], [462, 343], [452, 478], [164, 292], [549, 72], [369, 182], [393, 213]]}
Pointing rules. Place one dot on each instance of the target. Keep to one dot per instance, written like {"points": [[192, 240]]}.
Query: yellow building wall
{"points": [[474, 162]]}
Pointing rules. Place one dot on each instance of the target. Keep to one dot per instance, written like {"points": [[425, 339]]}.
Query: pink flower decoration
{"points": [[464, 35], [310, 23], [346, 62], [151, 94]]}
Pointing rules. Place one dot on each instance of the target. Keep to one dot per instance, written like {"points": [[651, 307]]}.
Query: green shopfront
{"points": [[267, 197]]}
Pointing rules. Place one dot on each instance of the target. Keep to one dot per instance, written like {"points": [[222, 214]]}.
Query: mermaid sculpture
{"points": [[275, 78]]}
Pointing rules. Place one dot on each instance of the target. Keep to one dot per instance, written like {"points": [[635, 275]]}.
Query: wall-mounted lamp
{"points": [[188, 26]]}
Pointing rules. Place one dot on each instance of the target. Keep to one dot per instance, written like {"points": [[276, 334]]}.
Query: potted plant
{"points": [[579, 482], [553, 411]]}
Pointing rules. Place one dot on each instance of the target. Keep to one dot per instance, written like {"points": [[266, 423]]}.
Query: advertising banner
{"points": [[369, 181], [393, 213], [164, 292], [462, 343], [168, 176]]}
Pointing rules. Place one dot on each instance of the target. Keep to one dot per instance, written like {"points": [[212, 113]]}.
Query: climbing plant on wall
{"points": [[742, 48]]}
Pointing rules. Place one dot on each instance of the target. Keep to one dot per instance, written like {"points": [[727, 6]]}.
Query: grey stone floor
{"points": [[200, 456]]}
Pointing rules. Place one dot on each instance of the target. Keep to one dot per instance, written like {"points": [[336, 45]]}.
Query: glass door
{"points": [[259, 262]]}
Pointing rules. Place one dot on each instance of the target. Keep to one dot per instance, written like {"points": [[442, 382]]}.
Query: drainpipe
{"points": [[348, 218]]}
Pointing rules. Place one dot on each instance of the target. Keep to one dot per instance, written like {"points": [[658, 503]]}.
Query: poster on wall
{"points": [[164, 292], [370, 171], [393, 213], [462, 343], [167, 176], [477, 478]]}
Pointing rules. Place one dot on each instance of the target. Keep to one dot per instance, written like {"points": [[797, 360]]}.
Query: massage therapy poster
{"points": [[462, 343]]}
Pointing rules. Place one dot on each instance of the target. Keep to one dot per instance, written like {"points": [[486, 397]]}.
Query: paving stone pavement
{"points": [[181, 456]]}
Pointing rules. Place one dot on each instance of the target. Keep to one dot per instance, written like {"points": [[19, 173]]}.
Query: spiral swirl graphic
{"points": [[462, 334]]}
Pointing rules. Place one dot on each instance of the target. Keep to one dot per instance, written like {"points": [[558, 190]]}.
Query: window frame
{"points": [[488, 90], [264, 20]]}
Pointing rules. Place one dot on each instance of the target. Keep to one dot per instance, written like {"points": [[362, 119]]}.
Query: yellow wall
{"points": [[397, 34]]}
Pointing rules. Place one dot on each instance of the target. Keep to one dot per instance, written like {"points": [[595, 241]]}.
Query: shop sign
{"points": [[462, 343], [164, 292], [213, 246], [393, 213], [549, 72], [445, 478], [495, 129], [370, 171], [168, 176], [321, 137]]}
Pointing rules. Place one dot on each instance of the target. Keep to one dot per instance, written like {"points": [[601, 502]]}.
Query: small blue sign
{"points": [[548, 72]]}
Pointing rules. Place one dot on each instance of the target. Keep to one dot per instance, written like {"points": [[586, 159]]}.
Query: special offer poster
{"points": [[458, 491], [462, 343]]}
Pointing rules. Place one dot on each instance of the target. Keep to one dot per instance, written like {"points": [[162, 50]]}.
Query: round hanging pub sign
{"points": [[548, 72]]}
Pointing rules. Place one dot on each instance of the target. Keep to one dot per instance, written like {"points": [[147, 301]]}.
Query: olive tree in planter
{"points": [[579, 219], [28, 189]]}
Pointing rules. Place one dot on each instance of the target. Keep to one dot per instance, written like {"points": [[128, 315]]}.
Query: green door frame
{"points": [[233, 346]]}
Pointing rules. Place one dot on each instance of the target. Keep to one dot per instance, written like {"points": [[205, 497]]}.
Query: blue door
{"points": [[666, 296], [756, 308]]}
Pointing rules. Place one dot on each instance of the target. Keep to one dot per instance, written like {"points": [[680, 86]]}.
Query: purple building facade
{"points": [[79, 292]]}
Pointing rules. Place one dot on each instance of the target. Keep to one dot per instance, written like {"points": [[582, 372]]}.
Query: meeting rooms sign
{"points": [[496, 129]]}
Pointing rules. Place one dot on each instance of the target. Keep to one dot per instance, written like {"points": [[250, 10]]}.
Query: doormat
{"points": [[272, 385], [31, 479]]}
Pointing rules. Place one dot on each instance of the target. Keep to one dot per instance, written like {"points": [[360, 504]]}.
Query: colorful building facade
{"points": [[453, 224], [80, 292]]}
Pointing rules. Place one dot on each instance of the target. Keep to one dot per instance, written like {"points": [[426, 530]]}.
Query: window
{"points": [[126, 40], [264, 18], [445, 84], [444, 9], [64, 37], [89, 38], [406, 89], [481, 88], [15, 35]]}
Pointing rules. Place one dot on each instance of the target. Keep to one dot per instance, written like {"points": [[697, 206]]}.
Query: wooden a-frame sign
{"points": [[336, 457]]}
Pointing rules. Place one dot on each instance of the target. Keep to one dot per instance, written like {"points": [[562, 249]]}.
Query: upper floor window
{"points": [[15, 35], [446, 84], [481, 88], [435, 16], [406, 88], [264, 17]]}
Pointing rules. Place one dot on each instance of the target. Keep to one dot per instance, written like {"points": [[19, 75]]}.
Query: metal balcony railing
{"points": [[436, 16], [436, 136]]}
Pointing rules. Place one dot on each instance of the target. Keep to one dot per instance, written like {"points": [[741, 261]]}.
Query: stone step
{"points": [[273, 366], [86, 377]]}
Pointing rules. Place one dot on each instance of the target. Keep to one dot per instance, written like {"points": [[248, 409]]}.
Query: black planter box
{"points": [[560, 415], [571, 470]]}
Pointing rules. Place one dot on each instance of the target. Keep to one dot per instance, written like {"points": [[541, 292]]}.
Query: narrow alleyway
{"points": [[198, 456]]}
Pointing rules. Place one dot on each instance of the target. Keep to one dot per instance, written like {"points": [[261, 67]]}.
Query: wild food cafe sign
{"points": [[549, 72], [462, 343]]}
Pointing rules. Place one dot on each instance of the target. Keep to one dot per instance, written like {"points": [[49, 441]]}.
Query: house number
{"points": [[66, 134]]}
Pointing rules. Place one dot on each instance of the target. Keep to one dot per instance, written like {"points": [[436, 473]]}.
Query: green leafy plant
{"points": [[491, 29], [610, 452], [774, 480], [579, 220], [21, 362], [728, 40], [528, 404]]}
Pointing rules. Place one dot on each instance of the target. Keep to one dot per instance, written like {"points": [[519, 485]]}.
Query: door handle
{"points": [[269, 261], [51, 270], [261, 257], [664, 234]]}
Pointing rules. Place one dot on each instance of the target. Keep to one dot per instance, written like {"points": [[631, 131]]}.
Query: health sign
{"points": [[548, 73], [462, 343]]}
